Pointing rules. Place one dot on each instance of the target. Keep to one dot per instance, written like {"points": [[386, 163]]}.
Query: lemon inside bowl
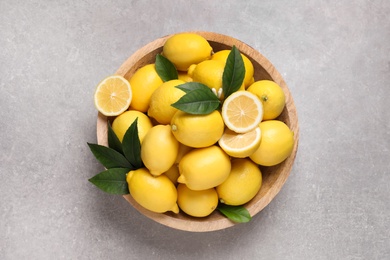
{"points": [[274, 177]]}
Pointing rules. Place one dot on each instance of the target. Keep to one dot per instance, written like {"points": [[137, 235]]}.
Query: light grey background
{"points": [[334, 56]]}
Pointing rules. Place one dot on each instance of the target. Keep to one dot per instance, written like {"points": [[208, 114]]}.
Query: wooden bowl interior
{"points": [[273, 177]]}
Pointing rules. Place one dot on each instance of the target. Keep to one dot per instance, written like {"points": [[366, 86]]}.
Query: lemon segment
{"points": [[143, 83], [243, 183], [204, 168], [277, 143], [157, 194], [184, 49], [161, 100], [240, 145], [199, 203], [122, 122], [197, 130], [271, 96], [113, 95], [159, 149], [242, 111]]}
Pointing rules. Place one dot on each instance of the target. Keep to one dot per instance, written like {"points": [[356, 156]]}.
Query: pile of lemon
{"points": [[195, 161]]}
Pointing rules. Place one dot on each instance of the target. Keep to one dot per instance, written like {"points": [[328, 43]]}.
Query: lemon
{"points": [[113, 95], [249, 69], [173, 173], [143, 83], [208, 72], [184, 49], [240, 145], [122, 122], [272, 97], [159, 149], [204, 168], [243, 183], [199, 203], [197, 130], [184, 76], [161, 100], [157, 194], [242, 111], [277, 142]]}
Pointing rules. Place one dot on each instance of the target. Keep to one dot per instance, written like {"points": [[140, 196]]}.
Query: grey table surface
{"points": [[335, 58]]}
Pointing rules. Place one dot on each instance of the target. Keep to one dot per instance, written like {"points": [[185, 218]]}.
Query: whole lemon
{"points": [[243, 183], [122, 122], [159, 149], [161, 100], [200, 203], [157, 194], [204, 168], [277, 142], [272, 97], [249, 69], [184, 49], [143, 83], [208, 72], [197, 130]]}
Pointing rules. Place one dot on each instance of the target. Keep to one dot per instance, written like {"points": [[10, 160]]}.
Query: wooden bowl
{"points": [[273, 177]]}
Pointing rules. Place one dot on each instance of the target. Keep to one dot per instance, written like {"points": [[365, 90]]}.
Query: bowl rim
{"points": [[213, 224]]}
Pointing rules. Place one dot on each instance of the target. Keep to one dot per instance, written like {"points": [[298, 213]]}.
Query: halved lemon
{"points": [[242, 111], [240, 145], [113, 95]]}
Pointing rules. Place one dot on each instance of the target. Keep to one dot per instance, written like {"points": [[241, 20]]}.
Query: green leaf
{"points": [[109, 157], [190, 86], [131, 145], [234, 72], [237, 214], [112, 181], [113, 140], [199, 99], [165, 69]]}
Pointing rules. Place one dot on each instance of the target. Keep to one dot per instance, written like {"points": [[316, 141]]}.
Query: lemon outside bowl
{"points": [[273, 177]]}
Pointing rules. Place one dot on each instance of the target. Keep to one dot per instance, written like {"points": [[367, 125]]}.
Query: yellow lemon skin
{"points": [[143, 83], [183, 149], [199, 203], [209, 73], [243, 183], [157, 194], [184, 49], [197, 130], [173, 173], [159, 149], [249, 69], [277, 142], [204, 168], [122, 122], [272, 97], [161, 100], [184, 76]]}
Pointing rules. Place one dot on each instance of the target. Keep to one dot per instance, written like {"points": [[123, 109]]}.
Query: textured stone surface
{"points": [[335, 58]]}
